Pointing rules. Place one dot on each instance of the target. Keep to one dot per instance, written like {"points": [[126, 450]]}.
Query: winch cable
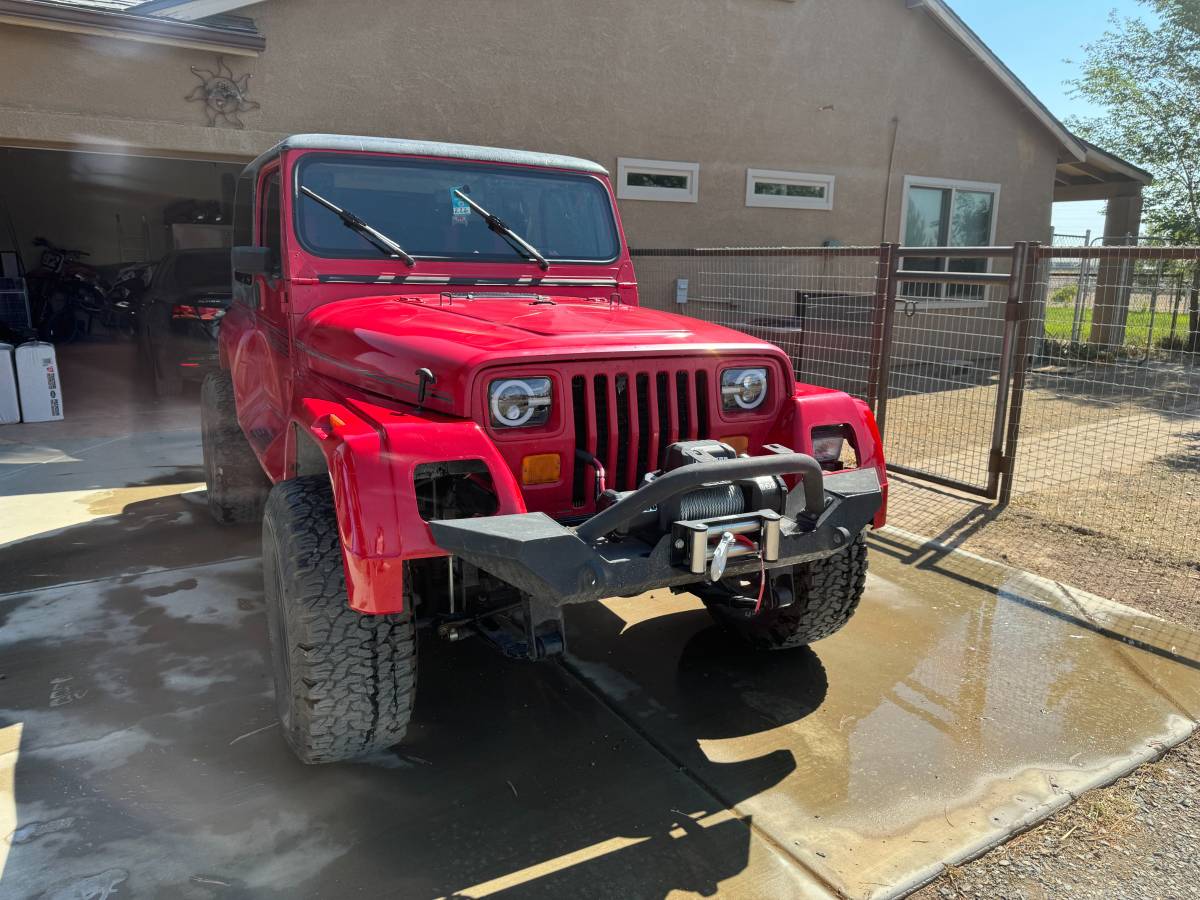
{"points": [[601, 475], [762, 570]]}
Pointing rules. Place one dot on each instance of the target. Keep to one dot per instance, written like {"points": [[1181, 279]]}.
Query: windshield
{"points": [[567, 216]]}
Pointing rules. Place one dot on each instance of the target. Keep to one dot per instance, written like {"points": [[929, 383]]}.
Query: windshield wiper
{"points": [[358, 226], [513, 239]]}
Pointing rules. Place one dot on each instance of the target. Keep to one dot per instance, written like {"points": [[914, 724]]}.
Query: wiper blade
{"points": [[496, 224], [357, 225]]}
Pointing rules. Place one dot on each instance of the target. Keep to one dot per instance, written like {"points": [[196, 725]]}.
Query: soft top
{"points": [[422, 148]]}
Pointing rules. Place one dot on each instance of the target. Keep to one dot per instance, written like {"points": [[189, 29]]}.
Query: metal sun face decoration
{"points": [[224, 96]]}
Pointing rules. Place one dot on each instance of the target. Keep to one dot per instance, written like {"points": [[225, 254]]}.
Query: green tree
{"points": [[1146, 78]]}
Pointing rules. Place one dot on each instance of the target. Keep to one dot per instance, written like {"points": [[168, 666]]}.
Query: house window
{"points": [[790, 190], [941, 213], [653, 179]]}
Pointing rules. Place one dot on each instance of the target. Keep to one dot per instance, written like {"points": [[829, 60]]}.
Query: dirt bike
{"points": [[65, 294]]}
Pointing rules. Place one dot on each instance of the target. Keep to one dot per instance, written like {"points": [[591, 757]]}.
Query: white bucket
{"points": [[38, 382], [10, 409]]}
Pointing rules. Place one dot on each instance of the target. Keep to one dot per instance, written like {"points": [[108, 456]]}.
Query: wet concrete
{"points": [[139, 756], [148, 753], [964, 701]]}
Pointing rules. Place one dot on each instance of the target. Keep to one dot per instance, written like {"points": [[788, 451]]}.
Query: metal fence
{"points": [[1110, 426], [1087, 434]]}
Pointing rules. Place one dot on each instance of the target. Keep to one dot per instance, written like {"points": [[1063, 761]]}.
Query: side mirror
{"points": [[253, 261]]}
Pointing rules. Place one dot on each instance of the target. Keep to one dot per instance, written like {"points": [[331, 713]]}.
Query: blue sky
{"points": [[1035, 38]]}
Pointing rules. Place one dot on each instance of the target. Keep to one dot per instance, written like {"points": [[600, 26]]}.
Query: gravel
{"points": [[1136, 838]]}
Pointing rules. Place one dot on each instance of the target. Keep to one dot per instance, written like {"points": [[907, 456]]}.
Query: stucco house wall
{"points": [[808, 86]]}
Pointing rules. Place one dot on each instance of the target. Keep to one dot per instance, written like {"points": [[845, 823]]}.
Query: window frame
{"points": [[271, 178], [777, 201], [629, 165], [953, 185]]}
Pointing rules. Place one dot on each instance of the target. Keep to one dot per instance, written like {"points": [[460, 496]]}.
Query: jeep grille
{"points": [[628, 419]]}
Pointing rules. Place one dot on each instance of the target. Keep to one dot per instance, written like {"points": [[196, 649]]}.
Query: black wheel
{"points": [[237, 487], [59, 324], [825, 595], [344, 682]]}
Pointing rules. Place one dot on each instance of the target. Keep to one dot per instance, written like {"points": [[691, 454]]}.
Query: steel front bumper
{"points": [[594, 560]]}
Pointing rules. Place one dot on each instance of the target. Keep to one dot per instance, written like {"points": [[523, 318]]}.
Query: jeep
{"points": [[439, 392]]}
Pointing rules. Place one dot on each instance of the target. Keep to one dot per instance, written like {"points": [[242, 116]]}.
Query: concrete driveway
{"points": [[139, 755]]}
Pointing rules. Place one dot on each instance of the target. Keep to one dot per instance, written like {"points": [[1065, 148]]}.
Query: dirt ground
{"points": [[1106, 498], [1136, 838]]}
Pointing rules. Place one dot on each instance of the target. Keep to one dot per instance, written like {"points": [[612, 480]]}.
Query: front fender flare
{"points": [[812, 406], [371, 453]]}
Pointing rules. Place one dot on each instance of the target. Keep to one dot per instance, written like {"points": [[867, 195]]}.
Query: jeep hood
{"points": [[379, 343]]}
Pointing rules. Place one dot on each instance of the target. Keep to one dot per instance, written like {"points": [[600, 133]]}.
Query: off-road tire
{"points": [[237, 487], [827, 594], [344, 682]]}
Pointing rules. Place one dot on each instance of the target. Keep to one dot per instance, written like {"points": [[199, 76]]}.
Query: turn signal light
{"points": [[738, 442], [543, 468]]}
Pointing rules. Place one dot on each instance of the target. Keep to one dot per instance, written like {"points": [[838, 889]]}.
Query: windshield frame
{"points": [[306, 159]]}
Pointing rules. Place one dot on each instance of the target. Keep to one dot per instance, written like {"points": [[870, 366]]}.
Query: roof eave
{"points": [[123, 26], [948, 19], [1113, 163]]}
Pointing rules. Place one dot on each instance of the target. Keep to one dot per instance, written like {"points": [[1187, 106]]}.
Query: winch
{"points": [[698, 519], [711, 501]]}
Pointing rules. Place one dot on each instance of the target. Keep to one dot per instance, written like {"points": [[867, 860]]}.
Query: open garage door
{"points": [[120, 258]]}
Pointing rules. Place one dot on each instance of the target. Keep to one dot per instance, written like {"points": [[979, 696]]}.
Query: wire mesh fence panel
{"points": [[1149, 318], [820, 305], [1065, 239], [1106, 486], [1109, 447]]}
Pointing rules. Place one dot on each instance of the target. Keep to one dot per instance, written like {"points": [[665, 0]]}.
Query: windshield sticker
{"points": [[460, 211]]}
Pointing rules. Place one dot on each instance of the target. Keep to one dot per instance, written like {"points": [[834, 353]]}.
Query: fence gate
{"points": [[952, 364], [928, 336]]}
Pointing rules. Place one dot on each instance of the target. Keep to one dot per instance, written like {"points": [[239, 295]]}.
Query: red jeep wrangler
{"points": [[436, 355]]}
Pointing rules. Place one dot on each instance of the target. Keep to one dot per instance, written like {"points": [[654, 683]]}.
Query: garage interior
{"points": [[123, 211]]}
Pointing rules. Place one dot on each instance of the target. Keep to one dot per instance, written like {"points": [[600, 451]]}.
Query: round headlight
{"points": [[519, 401], [743, 388]]}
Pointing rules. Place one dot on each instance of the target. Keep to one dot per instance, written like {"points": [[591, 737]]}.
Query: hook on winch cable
{"points": [[720, 557]]}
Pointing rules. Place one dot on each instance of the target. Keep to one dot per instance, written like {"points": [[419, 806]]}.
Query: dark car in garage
{"points": [[180, 315]]}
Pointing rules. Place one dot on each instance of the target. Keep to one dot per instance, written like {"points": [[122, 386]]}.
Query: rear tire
{"points": [[237, 487], [827, 594], [344, 682]]}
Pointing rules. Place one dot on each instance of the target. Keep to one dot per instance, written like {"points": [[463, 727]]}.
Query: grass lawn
{"points": [[1137, 323]]}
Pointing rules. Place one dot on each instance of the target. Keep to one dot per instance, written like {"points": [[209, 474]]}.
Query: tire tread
{"points": [[352, 679], [828, 592], [237, 485]]}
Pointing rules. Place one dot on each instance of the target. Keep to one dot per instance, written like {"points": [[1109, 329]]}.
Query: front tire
{"points": [[827, 592], [237, 486], [344, 682]]}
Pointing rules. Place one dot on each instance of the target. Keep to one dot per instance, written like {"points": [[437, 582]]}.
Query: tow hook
{"points": [[720, 555]]}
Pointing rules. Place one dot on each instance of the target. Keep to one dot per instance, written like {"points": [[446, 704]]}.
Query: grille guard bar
{"points": [[561, 565], [687, 478]]}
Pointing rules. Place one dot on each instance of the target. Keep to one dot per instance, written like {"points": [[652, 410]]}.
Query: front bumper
{"points": [[560, 564]]}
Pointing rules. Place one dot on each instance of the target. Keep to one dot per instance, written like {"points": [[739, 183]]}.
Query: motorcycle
{"points": [[65, 293], [121, 301]]}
